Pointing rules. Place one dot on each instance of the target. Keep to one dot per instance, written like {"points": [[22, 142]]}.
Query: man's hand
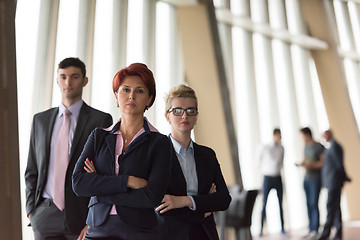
{"points": [[83, 233], [171, 202], [136, 182]]}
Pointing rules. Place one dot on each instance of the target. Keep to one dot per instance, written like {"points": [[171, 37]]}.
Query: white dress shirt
{"points": [[271, 159], [75, 111], [187, 162]]}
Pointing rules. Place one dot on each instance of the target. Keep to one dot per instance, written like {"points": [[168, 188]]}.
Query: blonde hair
{"points": [[180, 91]]}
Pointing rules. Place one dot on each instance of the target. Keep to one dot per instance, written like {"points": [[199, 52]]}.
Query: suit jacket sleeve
{"points": [[107, 121], [338, 156], [218, 201], [31, 173], [93, 184], [151, 195]]}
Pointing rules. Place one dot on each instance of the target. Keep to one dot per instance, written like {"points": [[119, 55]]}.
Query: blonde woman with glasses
{"points": [[197, 187]]}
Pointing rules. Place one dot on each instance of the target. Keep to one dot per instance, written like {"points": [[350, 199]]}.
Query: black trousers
{"points": [[48, 222], [333, 213], [272, 183]]}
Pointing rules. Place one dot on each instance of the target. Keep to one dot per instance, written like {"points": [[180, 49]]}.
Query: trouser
{"points": [[48, 222], [312, 189], [268, 184], [333, 213]]}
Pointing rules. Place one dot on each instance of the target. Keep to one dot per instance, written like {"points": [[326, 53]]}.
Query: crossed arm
{"points": [[132, 181]]}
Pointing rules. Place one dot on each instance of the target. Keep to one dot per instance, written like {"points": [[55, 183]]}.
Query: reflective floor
{"points": [[351, 232]]}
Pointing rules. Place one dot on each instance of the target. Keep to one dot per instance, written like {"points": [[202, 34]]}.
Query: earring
{"points": [[117, 105]]}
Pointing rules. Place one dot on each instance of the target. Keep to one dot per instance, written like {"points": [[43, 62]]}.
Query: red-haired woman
{"points": [[125, 169]]}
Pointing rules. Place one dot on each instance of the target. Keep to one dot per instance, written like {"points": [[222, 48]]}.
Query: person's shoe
{"points": [[323, 238], [285, 234], [338, 235], [312, 235], [306, 235]]}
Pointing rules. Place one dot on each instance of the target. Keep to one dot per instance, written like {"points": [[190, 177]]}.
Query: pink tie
{"points": [[61, 161]]}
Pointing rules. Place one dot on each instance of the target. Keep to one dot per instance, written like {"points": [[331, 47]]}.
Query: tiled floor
{"points": [[351, 232]]}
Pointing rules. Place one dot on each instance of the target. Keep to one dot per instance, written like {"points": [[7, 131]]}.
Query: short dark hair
{"points": [[306, 131], [276, 131], [73, 62], [140, 70]]}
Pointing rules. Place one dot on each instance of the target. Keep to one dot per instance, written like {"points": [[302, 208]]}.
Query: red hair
{"points": [[136, 69]]}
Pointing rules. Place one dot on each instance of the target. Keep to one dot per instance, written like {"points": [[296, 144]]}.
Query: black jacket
{"points": [[174, 224], [148, 157]]}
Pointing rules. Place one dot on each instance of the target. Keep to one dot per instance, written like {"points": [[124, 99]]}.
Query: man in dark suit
{"points": [[65, 217], [333, 177]]}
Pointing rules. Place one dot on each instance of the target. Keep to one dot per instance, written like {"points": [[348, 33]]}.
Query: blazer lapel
{"points": [[79, 131], [200, 164], [177, 171], [111, 144], [49, 130]]}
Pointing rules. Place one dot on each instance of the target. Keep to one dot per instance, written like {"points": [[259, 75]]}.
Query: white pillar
{"points": [[45, 55], [149, 18], [85, 41], [264, 72], [289, 123], [308, 116], [347, 44], [119, 42]]}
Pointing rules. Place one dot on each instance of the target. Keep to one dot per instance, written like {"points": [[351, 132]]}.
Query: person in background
{"points": [[57, 138], [197, 186], [333, 178], [125, 169], [312, 162], [271, 159]]}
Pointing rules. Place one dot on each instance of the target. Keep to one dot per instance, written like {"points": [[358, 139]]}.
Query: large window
{"points": [[272, 77], [106, 56]]}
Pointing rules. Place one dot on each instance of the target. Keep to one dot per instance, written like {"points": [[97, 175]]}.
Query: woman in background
{"points": [[125, 169], [197, 186]]}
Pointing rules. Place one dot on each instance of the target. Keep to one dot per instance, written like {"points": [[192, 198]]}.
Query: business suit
{"points": [[184, 223], [333, 177], [38, 161], [147, 157]]}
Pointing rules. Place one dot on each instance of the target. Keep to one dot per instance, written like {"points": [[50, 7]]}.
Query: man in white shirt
{"points": [[271, 162]]}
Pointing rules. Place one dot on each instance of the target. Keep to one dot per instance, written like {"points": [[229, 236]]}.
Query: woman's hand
{"points": [[212, 189], [89, 166], [136, 182], [83, 233], [171, 202]]}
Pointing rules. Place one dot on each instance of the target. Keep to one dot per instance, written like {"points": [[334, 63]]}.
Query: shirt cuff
{"points": [[193, 202]]}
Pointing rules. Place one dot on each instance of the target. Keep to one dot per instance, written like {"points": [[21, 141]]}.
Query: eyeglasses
{"points": [[180, 111]]}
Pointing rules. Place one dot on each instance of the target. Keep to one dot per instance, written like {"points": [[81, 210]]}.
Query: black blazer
{"points": [[333, 171], [39, 154], [175, 223], [148, 157]]}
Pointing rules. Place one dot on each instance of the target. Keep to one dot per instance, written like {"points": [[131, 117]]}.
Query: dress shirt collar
{"points": [[115, 128], [178, 147], [74, 109]]}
